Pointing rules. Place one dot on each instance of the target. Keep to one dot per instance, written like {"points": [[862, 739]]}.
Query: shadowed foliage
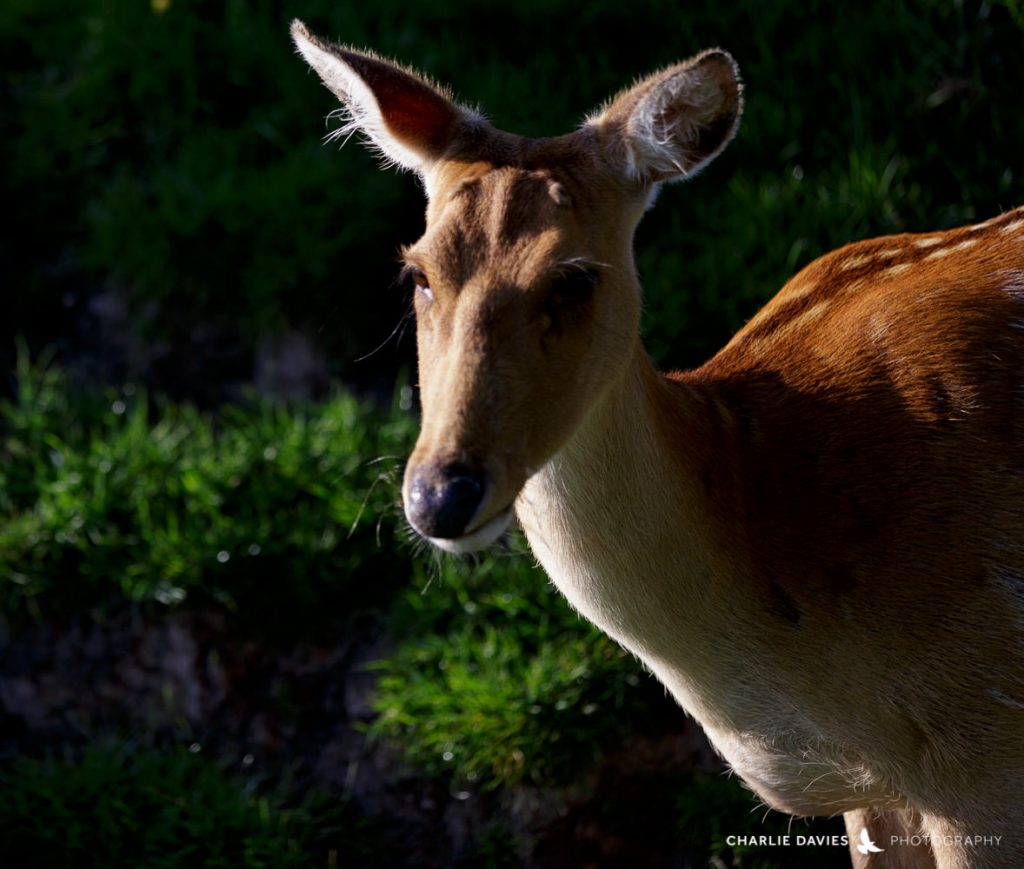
{"points": [[176, 218]]}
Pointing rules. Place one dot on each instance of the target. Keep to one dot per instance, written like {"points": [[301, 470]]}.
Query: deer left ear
{"points": [[673, 123], [408, 120]]}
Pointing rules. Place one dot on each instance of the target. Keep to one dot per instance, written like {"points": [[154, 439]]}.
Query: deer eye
{"points": [[418, 278], [571, 289]]}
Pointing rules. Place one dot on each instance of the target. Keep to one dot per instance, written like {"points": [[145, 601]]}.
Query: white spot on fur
{"points": [[856, 262], [803, 319], [986, 223], [941, 252], [931, 241], [888, 253], [894, 271], [801, 290], [1012, 226], [878, 327]]}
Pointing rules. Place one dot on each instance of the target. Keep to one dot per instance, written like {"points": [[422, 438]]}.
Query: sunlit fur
{"points": [[814, 540]]}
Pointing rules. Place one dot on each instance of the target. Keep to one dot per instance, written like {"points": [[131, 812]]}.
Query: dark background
{"points": [[216, 643], [164, 169]]}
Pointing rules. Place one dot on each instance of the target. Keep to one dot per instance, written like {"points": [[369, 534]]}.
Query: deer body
{"points": [[814, 540], [752, 561]]}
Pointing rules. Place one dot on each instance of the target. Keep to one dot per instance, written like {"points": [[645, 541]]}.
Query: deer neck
{"points": [[619, 519]]}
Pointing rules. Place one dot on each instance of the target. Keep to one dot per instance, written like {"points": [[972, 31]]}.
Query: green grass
{"points": [[496, 681], [126, 805], [172, 150], [106, 498], [281, 513]]}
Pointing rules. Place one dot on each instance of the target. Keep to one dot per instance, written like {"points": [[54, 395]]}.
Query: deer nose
{"points": [[442, 501]]}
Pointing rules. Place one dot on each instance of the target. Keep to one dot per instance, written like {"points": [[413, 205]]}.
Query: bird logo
{"points": [[866, 846]]}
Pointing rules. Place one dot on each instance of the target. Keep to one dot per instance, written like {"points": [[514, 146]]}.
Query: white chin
{"points": [[485, 535]]}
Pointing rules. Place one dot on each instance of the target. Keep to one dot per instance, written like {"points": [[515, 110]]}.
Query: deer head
{"points": [[526, 296]]}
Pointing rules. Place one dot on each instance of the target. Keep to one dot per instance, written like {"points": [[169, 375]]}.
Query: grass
{"points": [[493, 681], [278, 513], [129, 805], [496, 681], [171, 150]]}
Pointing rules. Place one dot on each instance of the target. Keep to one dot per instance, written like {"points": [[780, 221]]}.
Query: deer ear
{"points": [[673, 123], [408, 120]]}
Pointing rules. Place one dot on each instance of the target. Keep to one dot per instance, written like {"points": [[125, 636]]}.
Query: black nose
{"points": [[443, 501]]}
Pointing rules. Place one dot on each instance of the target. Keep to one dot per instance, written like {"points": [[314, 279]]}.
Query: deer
{"points": [[813, 540]]}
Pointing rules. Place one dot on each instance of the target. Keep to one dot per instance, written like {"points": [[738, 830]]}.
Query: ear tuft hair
{"points": [[407, 119], [670, 125]]}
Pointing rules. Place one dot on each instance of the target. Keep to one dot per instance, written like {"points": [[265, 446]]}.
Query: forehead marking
{"points": [[491, 217], [559, 195], [523, 205], [464, 188]]}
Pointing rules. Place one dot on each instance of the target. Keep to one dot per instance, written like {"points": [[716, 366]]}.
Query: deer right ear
{"points": [[408, 120], [672, 124]]}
